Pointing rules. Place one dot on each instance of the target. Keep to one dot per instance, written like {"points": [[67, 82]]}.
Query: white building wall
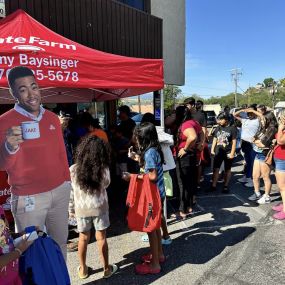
{"points": [[174, 24]]}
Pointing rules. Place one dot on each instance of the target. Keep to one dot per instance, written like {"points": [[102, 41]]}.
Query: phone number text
{"points": [[51, 75]]}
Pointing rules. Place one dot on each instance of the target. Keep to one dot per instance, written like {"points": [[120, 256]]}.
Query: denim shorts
{"points": [[260, 156], [279, 164], [100, 223]]}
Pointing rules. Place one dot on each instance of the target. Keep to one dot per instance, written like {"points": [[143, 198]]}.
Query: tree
{"points": [[171, 92], [268, 82], [282, 82]]}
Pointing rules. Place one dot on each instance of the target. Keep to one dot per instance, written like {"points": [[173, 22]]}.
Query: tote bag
{"points": [[144, 205]]}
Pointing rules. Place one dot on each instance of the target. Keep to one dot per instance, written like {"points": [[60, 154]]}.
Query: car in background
{"points": [[210, 118]]}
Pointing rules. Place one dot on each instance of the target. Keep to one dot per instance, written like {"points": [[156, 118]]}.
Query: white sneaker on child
{"points": [[265, 199], [254, 197]]}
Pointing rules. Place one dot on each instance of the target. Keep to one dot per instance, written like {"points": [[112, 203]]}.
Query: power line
{"points": [[202, 95], [212, 88], [236, 73], [241, 89]]}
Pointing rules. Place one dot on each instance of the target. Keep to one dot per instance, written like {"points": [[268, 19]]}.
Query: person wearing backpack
{"points": [[261, 145], [90, 176], [150, 160]]}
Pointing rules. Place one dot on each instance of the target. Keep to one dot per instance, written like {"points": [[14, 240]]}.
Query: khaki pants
{"points": [[50, 209]]}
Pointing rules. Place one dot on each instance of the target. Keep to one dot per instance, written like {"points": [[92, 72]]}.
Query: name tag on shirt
{"points": [[30, 203]]}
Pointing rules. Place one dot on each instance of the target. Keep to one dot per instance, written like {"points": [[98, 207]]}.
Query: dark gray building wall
{"points": [[106, 25]]}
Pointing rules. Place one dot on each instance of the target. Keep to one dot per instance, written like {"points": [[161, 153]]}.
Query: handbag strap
{"points": [[148, 198], [148, 192], [131, 192]]}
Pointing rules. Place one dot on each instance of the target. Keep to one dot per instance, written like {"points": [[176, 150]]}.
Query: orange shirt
{"points": [[100, 134]]}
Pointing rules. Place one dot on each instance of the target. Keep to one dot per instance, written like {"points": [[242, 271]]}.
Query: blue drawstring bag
{"points": [[43, 263]]}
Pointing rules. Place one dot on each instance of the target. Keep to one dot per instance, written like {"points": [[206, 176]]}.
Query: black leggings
{"points": [[186, 170]]}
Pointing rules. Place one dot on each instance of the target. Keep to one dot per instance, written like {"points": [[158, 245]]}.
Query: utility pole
{"points": [[273, 89], [236, 73], [139, 103]]}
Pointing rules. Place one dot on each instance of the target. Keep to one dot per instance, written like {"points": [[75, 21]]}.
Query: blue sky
{"points": [[226, 34]]}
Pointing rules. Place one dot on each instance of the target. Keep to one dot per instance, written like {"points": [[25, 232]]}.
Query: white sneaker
{"points": [[265, 199], [242, 180], [254, 197], [249, 182]]}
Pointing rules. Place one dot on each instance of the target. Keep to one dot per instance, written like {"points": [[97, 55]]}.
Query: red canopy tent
{"points": [[68, 71]]}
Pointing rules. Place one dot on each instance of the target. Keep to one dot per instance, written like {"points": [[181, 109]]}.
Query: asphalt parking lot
{"points": [[227, 240]]}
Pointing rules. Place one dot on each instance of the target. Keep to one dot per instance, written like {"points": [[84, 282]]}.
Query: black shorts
{"points": [[221, 157]]}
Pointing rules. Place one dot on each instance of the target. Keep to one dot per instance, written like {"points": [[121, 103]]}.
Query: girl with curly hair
{"points": [[90, 176]]}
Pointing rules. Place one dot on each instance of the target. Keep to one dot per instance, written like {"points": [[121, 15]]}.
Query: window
{"points": [[138, 4]]}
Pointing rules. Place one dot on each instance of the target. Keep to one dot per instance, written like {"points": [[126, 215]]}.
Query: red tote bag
{"points": [[143, 200]]}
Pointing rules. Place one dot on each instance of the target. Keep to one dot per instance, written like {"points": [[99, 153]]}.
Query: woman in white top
{"points": [[249, 128]]}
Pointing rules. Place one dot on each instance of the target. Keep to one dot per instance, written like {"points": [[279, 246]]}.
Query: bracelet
{"points": [[18, 250]]}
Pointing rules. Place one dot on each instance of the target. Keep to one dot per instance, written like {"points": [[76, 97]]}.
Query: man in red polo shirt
{"points": [[37, 168]]}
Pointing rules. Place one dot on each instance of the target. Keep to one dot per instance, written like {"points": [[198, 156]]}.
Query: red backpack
{"points": [[144, 213]]}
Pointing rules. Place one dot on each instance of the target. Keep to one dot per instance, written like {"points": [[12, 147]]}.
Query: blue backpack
{"points": [[43, 263]]}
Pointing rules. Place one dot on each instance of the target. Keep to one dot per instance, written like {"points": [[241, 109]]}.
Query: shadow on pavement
{"points": [[201, 243], [195, 248]]}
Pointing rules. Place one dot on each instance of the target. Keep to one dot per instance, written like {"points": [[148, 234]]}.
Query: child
{"points": [[223, 149], [151, 159], [9, 272], [90, 177]]}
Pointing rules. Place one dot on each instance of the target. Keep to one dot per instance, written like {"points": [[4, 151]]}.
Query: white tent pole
{"points": [[161, 108]]}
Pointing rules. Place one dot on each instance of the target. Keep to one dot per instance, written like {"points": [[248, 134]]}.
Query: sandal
{"points": [[143, 269], [72, 246], [83, 276], [183, 215], [112, 269], [147, 258]]}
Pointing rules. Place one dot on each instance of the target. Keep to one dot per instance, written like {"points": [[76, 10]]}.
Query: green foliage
{"points": [[282, 82], [171, 92], [251, 96], [268, 82], [228, 100]]}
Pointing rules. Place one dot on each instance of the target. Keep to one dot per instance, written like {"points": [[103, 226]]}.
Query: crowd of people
{"points": [[66, 172]]}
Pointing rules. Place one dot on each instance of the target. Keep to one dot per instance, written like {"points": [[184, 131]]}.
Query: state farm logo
{"points": [[5, 193], [27, 47], [34, 43]]}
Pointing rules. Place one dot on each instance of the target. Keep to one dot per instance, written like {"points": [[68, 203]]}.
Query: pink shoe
{"points": [[147, 258], [278, 207], [143, 269], [279, 216]]}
